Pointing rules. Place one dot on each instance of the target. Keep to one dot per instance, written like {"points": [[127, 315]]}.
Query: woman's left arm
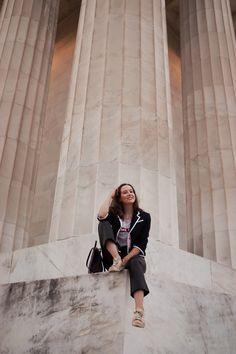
{"points": [[134, 252]]}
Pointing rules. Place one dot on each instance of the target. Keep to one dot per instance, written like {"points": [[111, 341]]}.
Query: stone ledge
{"points": [[67, 258], [92, 314], [65, 315]]}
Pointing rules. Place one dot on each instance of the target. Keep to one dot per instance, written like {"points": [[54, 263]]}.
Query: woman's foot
{"points": [[138, 318], [117, 265]]}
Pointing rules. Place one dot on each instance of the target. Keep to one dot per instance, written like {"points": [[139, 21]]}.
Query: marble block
{"points": [[51, 260], [223, 278], [5, 267], [69, 315], [92, 314], [67, 257], [183, 319], [179, 265], [187, 268]]}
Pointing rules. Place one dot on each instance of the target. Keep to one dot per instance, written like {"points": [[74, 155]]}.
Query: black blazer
{"points": [[139, 228]]}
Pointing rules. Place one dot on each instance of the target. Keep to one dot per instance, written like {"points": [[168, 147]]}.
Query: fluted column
{"points": [[27, 30], [118, 123], [209, 98]]}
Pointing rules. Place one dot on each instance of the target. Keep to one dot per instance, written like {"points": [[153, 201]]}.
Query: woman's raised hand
{"points": [[113, 193], [104, 208]]}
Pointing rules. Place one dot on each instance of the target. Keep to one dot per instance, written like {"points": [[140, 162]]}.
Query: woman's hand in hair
{"points": [[113, 193], [104, 208]]}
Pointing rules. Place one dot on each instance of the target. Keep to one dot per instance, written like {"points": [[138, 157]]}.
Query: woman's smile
{"points": [[127, 194]]}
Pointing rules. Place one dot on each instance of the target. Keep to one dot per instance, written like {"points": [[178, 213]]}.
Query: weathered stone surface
{"points": [[183, 319], [71, 315], [92, 314]]}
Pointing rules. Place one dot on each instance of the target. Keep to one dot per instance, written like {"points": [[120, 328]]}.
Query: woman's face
{"points": [[127, 195]]}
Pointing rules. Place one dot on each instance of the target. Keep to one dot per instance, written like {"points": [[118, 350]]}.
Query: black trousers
{"points": [[136, 265]]}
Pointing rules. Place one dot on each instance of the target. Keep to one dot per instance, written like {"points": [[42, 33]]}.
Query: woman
{"points": [[123, 232]]}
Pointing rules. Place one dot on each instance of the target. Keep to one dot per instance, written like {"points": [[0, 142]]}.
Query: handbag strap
{"points": [[93, 248]]}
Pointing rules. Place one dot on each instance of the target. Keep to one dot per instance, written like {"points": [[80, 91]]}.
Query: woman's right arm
{"points": [[104, 208]]}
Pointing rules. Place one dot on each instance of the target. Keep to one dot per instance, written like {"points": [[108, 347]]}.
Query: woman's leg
{"points": [[138, 298], [137, 268], [138, 288], [112, 260], [112, 249]]}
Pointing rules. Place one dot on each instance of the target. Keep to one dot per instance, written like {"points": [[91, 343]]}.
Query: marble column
{"points": [[118, 123], [209, 103], [27, 31]]}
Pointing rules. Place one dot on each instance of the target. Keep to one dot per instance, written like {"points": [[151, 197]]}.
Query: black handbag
{"points": [[94, 261]]}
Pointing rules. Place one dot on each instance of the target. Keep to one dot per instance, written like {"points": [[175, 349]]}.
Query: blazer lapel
{"points": [[135, 220]]}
